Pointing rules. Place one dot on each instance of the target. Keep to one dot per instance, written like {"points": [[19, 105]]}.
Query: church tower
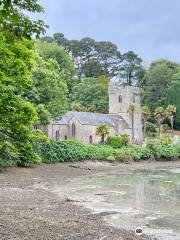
{"points": [[120, 98]]}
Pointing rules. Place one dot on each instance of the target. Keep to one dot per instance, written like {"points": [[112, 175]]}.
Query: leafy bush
{"points": [[118, 141], [125, 138], [115, 141], [152, 134], [73, 151], [150, 129], [166, 152], [165, 127], [50, 151], [152, 143], [166, 139]]}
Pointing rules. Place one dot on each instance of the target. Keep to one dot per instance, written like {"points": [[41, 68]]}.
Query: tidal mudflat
{"points": [[90, 200], [146, 199]]}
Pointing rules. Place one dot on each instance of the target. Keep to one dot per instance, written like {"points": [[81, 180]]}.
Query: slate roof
{"points": [[88, 118]]}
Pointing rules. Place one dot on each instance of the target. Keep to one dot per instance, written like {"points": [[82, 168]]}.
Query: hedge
{"points": [[73, 151], [68, 151]]}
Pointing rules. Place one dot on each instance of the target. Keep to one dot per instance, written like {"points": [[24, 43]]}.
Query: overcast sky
{"points": [[151, 28]]}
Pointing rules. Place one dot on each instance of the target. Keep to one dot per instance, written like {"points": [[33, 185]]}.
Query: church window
{"points": [[36, 127], [134, 98], [90, 139], [120, 98], [73, 130], [57, 134]]}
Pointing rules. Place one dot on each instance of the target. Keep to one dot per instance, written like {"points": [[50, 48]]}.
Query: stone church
{"points": [[82, 125]]}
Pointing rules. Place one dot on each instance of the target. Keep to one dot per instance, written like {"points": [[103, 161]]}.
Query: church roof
{"points": [[88, 118]]}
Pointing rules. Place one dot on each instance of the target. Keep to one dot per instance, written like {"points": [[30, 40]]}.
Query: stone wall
{"points": [[120, 98], [82, 132]]}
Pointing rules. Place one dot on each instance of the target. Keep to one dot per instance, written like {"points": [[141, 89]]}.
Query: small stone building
{"points": [[82, 125]]}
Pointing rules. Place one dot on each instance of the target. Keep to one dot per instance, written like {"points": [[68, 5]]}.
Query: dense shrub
{"points": [[115, 141], [118, 141], [49, 151], [151, 129], [166, 152], [152, 143], [125, 138], [165, 127], [166, 139], [64, 151], [73, 151]]}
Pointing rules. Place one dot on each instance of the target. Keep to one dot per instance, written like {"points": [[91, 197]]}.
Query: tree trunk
{"points": [[132, 127], [171, 118], [102, 139], [159, 130], [144, 129]]}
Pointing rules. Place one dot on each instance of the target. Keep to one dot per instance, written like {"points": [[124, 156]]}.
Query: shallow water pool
{"points": [[146, 199]]}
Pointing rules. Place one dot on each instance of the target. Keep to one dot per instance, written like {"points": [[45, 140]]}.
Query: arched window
{"points": [[65, 137], [90, 139], [57, 134], [73, 130], [36, 127], [120, 98], [134, 97]]}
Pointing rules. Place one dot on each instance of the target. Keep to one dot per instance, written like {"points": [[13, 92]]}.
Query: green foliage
{"points": [[172, 96], [170, 112], [53, 51], [13, 18], [74, 151], [131, 69], [51, 151], [44, 116], [125, 138], [91, 94], [165, 127], [145, 115], [118, 141], [115, 141], [93, 59], [156, 83], [102, 130], [16, 62], [50, 85], [75, 106], [166, 152], [159, 116], [17, 114], [92, 68], [166, 139], [150, 128], [161, 88], [152, 143], [145, 112]]}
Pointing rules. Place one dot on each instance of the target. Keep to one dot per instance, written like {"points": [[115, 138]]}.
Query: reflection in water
{"points": [[139, 195], [147, 199]]}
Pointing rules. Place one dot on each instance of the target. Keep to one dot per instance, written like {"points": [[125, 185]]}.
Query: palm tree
{"points": [[159, 116], [131, 110], [102, 130], [170, 112], [145, 114]]}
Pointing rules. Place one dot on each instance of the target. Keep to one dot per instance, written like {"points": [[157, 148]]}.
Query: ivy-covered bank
{"points": [[73, 151], [50, 151]]}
